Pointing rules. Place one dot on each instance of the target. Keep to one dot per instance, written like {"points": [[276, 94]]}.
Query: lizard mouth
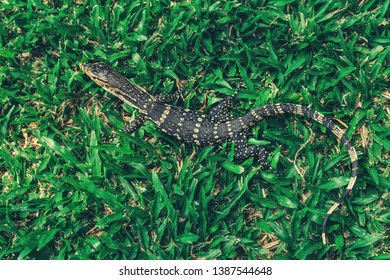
{"points": [[86, 68]]}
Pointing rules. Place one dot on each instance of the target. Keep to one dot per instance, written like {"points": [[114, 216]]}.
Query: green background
{"points": [[68, 191]]}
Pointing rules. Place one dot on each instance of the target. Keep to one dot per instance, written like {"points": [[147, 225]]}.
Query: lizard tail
{"points": [[287, 108]]}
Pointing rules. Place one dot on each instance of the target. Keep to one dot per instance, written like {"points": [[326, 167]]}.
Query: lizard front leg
{"points": [[135, 124], [166, 98]]}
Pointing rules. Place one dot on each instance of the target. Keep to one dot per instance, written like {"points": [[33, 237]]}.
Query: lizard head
{"points": [[116, 84], [102, 74]]}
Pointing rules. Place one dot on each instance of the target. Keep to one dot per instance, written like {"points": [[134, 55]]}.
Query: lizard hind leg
{"points": [[243, 151], [219, 113]]}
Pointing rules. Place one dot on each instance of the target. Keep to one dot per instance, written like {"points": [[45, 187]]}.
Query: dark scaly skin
{"points": [[194, 127]]}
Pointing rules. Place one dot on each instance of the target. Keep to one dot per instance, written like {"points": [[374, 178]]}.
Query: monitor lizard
{"points": [[193, 127]]}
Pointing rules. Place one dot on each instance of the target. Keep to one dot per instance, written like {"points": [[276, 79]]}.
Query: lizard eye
{"points": [[99, 70]]}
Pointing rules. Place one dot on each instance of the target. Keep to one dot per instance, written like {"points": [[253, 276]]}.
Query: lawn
{"points": [[73, 185]]}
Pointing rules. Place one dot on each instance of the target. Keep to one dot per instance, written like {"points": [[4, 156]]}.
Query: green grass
{"points": [[69, 193]]}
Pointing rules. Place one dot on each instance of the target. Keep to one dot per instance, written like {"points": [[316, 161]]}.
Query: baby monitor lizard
{"points": [[193, 127]]}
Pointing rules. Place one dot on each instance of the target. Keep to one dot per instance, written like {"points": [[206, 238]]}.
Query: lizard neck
{"points": [[134, 96]]}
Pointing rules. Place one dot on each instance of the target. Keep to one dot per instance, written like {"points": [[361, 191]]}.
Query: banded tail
{"points": [[287, 108]]}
